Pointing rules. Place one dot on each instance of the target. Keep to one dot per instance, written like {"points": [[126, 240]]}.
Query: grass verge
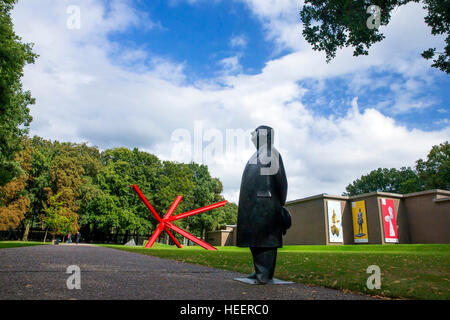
{"points": [[14, 244]]}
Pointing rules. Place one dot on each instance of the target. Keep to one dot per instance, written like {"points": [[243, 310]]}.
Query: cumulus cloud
{"points": [[86, 91]]}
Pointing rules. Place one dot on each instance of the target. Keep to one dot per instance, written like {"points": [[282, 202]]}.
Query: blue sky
{"points": [[200, 35], [137, 73]]}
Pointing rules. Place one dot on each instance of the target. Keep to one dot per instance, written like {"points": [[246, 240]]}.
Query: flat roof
{"points": [[371, 194]]}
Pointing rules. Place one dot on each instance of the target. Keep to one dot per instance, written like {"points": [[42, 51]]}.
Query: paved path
{"points": [[39, 272]]}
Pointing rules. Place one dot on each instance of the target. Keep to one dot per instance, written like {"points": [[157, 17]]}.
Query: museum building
{"points": [[371, 218]]}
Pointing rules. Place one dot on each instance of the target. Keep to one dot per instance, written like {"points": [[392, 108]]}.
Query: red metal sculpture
{"points": [[166, 222]]}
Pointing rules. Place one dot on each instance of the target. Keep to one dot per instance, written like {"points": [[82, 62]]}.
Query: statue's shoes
{"points": [[252, 276], [261, 280]]}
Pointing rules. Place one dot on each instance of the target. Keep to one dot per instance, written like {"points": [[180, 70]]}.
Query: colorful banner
{"points": [[359, 222], [389, 220], [335, 221]]}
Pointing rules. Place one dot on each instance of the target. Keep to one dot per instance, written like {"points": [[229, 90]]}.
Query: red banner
{"points": [[389, 220]]}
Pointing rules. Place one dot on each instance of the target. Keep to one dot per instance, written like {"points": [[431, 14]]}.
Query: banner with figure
{"points": [[359, 222], [389, 220], [335, 221]]}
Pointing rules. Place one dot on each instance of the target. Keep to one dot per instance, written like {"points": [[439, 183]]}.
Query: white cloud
{"points": [[281, 21], [239, 41], [231, 65], [86, 92]]}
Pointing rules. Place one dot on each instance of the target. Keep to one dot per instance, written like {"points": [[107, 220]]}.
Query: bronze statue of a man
{"points": [[262, 196]]}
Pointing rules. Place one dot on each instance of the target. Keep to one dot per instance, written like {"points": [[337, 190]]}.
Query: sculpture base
{"points": [[272, 281]]}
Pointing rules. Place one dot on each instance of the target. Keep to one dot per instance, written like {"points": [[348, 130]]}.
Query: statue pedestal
{"points": [[253, 281]]}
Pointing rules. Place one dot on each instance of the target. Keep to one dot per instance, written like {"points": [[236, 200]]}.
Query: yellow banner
{"points": [[359, 222]]}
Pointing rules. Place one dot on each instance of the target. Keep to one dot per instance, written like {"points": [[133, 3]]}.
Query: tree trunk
{"points": [[27, 230], [125, 239], [201, 230], [45, 236], [116, 236]]}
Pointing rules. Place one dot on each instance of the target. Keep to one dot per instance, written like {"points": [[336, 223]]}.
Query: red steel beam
{"points": [[155, 235], [173, 237], [149, 206], [191, 237], [197, 211], [173, 207]]}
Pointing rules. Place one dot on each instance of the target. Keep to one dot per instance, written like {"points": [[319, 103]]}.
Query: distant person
{"points": [[69, 237], [78, 236]]}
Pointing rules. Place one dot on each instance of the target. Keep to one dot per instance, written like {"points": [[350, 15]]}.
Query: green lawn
{"points": [[407, 271], [13, 244]]}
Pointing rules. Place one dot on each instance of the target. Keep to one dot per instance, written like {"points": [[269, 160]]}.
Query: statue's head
{"points": [[263, 135]]}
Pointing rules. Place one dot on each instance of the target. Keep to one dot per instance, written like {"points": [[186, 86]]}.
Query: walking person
{"points": [[78, 236], [69, 237]]}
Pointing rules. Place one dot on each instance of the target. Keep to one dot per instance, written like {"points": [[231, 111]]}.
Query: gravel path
{"points": [[39, 272]]}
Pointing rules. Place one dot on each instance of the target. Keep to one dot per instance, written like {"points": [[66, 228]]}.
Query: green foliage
{"points": [[332, 24], [433, 173], [392, 180], [14, 102], [74, 186], [56, 218], [15, 244], [94, 194]]}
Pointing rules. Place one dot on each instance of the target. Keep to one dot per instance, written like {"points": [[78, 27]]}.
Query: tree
{"points": [[332, 24], [434, 173], [14, 102], [14, 200], [122, 168], [392, 180], [56, 218], [66, 178]]}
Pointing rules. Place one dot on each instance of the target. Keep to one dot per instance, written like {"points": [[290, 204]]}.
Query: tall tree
{"points": [[332, 24], [66, 178], [14, 101], [43, 152]]}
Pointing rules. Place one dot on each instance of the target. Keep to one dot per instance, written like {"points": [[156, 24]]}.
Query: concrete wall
{"points": [[429, 216], [225, 237], [308, 222]]}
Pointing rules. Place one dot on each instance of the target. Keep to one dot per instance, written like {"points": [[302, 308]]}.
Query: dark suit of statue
{"points": [[262, 195]]}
